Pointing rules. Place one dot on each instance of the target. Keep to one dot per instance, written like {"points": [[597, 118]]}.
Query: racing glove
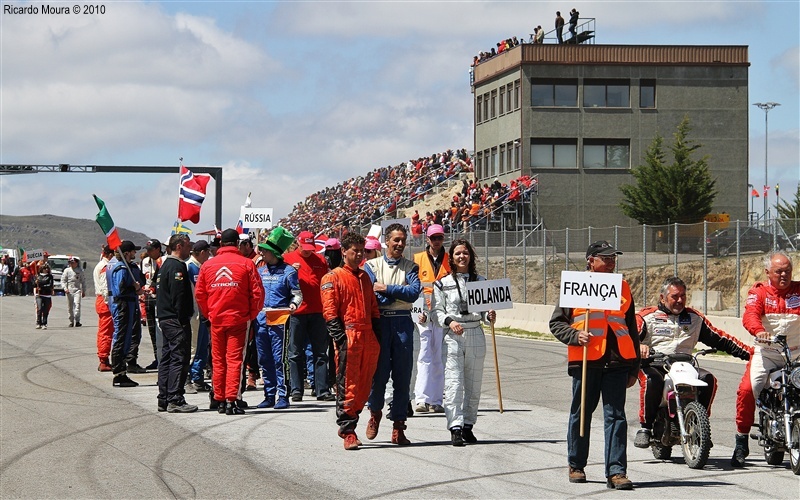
{"points": [[336, 330]]}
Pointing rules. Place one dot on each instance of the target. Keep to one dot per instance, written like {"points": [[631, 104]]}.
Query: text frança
{"points": [[602, 290], [495, 295]]}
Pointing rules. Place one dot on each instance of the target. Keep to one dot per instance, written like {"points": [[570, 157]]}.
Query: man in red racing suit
{"points": [[772, 307], [351, 314], [230, 294]]}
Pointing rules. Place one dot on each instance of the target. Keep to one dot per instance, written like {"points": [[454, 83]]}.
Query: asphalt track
{"points": [[65, 432]]}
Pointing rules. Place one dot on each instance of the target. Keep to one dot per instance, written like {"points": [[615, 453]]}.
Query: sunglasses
{"points": [[439, 237]]}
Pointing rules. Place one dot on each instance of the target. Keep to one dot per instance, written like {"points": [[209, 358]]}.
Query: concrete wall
{"points": [[536, 318]]}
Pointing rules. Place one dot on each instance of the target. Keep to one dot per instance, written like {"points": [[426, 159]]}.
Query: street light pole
{"points": [[766, 106]]}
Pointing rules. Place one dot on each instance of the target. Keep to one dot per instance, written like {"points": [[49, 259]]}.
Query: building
{"points": [[580, 116]]}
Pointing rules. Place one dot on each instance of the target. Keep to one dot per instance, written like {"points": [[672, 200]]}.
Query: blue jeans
{"points": [[612, 386], [201, 352], [305, 329], [396, 360]]}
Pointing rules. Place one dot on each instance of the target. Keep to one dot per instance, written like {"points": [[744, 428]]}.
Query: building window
{"points": [[606, 153], [516, 94], [486, 107], [478, 109], [554, 153], [647, 94], [509, 92], [493, 105], [517, 156], [554, 93], [502, 159], [606, 94], [510, 165], [495, 162], [502, 102], [479, 163]]}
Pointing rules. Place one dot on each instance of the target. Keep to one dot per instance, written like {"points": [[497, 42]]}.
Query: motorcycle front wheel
{"points": [[698, 442], [794, 451]]}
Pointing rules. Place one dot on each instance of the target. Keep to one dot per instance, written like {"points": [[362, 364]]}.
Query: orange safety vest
{"points": [[599, 324], [426, 275]]}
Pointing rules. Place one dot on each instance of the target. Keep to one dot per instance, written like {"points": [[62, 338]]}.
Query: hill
{"points": [[59, 235]]}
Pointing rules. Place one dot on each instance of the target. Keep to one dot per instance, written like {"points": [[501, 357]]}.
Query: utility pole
{"points": [[766, 106]]}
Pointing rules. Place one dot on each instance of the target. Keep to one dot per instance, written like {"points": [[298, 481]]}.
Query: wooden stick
{"points": [[497, 370], [583, 375]]}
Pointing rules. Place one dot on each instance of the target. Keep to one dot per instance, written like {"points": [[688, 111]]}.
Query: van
{"points": [[57, 265]]}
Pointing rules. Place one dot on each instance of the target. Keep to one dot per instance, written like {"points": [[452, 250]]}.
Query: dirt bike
{"points": [[681, 419], [778, 408]]}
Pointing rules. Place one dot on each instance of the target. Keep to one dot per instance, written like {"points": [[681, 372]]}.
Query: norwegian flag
{"points": [[192, 194]]}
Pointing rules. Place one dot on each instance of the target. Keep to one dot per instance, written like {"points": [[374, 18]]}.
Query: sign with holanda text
{"points": [[601, 291], [256, 217], [489, 294]]}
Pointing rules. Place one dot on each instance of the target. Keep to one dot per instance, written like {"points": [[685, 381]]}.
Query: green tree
{"points": [[789, 213], [682, 191]]}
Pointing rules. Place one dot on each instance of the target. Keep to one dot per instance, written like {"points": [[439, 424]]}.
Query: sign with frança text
{"points": [[489, 294], [256, 217], [34, 255], [601, 291]]}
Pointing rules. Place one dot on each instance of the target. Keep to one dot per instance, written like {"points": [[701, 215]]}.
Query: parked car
{"points": [[723, 241]]}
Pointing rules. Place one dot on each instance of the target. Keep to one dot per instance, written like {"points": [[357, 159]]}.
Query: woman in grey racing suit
{"points": [[464, 343]]}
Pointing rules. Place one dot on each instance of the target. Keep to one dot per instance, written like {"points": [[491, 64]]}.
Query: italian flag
{"points": [[107, 224]]}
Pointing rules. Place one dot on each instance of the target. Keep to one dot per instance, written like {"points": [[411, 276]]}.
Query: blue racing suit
{"points": [[403, 287], [281, 288], [124, 306], [203, 335]]}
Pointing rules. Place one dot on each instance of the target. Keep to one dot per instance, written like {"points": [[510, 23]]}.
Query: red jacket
{"points": [[228, 290], [774, 311], [347, 294], [311, 271]]}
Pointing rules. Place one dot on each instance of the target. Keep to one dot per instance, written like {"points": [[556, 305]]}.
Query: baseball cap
{"points": [[72, 259], [244, 237], [229, 236], [333, 244], [372, 244], [199, 246], [435, 229], [306, 240], [128, 246], [153, 244], [601, 247]]}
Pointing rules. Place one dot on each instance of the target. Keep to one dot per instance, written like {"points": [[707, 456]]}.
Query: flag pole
{"points": [[178, 211]]}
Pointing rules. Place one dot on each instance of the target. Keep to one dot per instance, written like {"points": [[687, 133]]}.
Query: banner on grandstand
{"points": [[256, 217], [601, 291], [489, 294]]}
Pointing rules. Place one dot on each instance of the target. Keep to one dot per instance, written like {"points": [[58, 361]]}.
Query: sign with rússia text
{"points": [[590, 290], [256, 217], [489, 294]]}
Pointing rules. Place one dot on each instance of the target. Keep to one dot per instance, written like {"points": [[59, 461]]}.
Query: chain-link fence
{"points": [[719, 261]]}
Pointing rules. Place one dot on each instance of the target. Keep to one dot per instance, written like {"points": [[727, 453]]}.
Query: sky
{"points": [[291, 97]]}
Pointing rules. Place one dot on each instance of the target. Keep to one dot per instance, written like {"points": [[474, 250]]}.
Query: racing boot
{"points": [[373, 424], [741, 450], [468, 435], [398, 436], [456, 436]]}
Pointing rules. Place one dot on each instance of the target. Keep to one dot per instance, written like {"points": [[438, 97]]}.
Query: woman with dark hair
{"points": [[43, 289], [464, 342]]}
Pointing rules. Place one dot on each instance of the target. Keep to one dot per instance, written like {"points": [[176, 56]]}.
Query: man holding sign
{"points": [[604, 341]]}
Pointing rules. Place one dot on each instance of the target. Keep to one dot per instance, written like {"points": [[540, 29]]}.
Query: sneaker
{"points": [[326, 397], [78, 324], [399, 435], [162, 406], [740, 451], [182, 407], [44, 327], [267, 403], [642, 439], [38, 327], [576, 475], [437, 408], [456, 437], [201, 387], [374, 424], [467, 434], [350, 442], [135, 368], [189, 388], [422, 408], [282, 403], [233, 409], [151, 366], [297, 396], [124, 381], [71, 325], [619, 482], [222, 407]]}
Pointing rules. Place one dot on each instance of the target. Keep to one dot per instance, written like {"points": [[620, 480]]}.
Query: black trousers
{"points": [[173, 368], [150, 312]]}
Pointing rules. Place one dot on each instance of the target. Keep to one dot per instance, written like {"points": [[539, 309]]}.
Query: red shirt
{"points": [[312, 269]]}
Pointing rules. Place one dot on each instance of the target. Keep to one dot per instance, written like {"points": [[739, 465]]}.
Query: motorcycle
{"points": [[778, 408], [681, 419]]}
